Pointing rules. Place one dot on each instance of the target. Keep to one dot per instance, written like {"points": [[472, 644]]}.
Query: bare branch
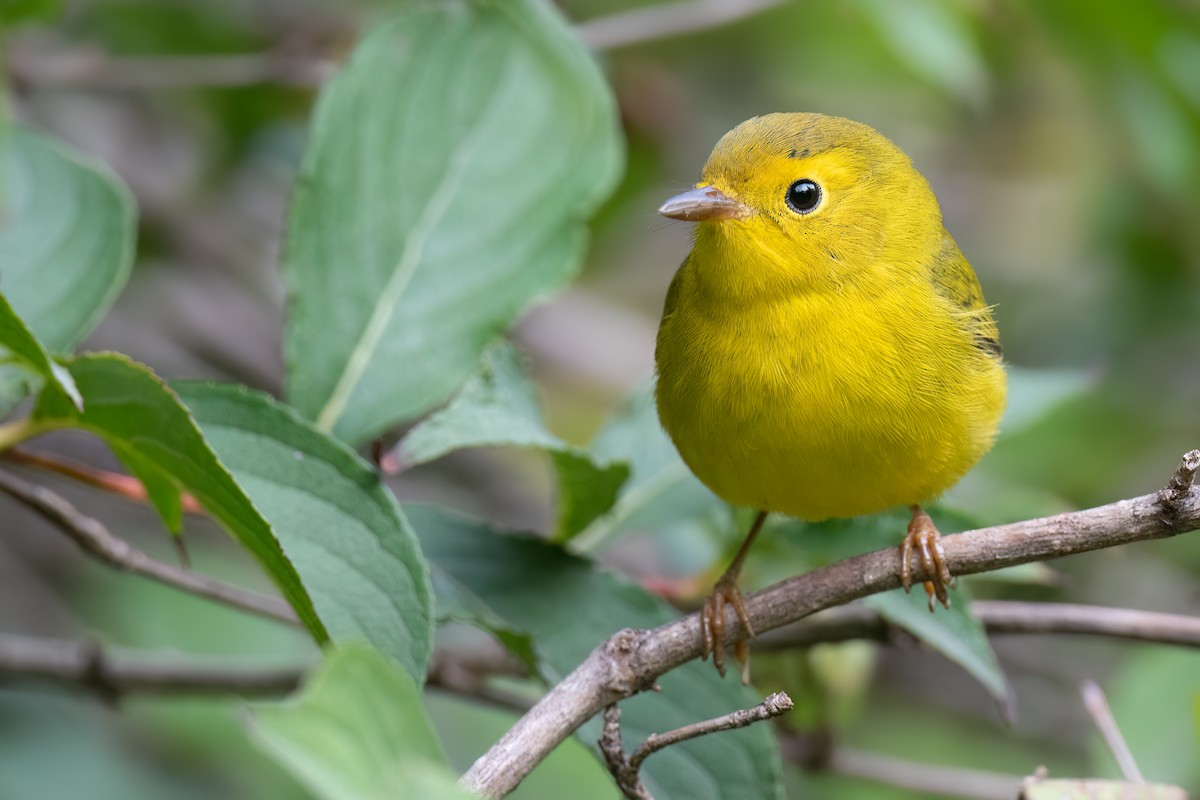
{"points": [[613, 750], [631, 660], [666, 20], [625, 771], [95, 69], [92, 667], [998, 617], [1097, 706], [96, 540], [924, 779]]}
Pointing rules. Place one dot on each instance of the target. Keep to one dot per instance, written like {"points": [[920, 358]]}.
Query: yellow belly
{"points": [[826, 405]]}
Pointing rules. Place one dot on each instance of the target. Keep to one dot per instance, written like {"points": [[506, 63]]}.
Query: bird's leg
{"points": [[712, 616], [923, 537]]}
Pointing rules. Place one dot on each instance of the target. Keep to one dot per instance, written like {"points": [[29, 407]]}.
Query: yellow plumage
{"points": [[829, 363]]}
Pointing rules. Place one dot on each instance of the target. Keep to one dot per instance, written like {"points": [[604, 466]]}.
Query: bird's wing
{"points": [[954, 279]]}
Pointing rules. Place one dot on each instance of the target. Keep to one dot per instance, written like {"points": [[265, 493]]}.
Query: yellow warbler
{"points": [[825, 349]]}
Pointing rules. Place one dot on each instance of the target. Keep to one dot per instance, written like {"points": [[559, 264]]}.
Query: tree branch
{"points": [[1097, 706], [625, 771], [94, 667], [925, 779], [93, 68], [96, 540], [998, 617], [631, 660], [89, 665]]}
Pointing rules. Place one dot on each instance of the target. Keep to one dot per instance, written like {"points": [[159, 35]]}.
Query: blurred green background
{"points": [[1063, 140]]}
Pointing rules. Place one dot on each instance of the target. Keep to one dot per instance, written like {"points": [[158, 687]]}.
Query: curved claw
{"points": [[923, 538], [712, 625]]}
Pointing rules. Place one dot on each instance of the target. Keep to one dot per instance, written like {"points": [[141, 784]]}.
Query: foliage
{"points": [[442, 183]]}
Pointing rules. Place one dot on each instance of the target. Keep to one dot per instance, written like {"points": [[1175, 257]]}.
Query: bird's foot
{"points": [[712, 624], [923, 538]]}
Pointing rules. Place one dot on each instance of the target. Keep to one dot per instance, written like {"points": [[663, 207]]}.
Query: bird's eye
{"points": [[803, 196]]}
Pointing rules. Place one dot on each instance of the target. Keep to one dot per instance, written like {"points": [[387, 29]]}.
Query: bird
{"points": [[825, 349]]}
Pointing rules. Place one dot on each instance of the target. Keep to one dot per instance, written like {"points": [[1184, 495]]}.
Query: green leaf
{"points": [[67, 228], [24, 348], [13, 12], [498, 406], [661, 490], [569, 606], [1151, 696], [1035, 393], [358, 730], [954, 632], [340, 527], [452, 165], [133, 411]]}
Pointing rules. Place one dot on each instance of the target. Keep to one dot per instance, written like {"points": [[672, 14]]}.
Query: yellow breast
{"points": [[825, 403]]}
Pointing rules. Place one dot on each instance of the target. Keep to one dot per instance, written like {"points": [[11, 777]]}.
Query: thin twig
{"points": [[998, 617], [1097, 706], [663, 21], [772, 706], [631, 660], [116, 483], [625, 771], [96, 540]]}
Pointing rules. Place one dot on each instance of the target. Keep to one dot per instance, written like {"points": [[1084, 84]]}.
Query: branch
{"points": [[666, 20], [96, 540], [631, 660], [92, 667], [998, 617], [95, 69], [1097, 706], [625, 771]]}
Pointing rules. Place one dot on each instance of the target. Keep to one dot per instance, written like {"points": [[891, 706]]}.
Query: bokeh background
{"points": [[1063, 139]]}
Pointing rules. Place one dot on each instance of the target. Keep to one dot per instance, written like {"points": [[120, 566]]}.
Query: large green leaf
{"points": [[569, 606], [19, 345], [338, 524], [358, 731], [134, 412], [954, 632], [661, 490], [498, 406], [452, 165], [67, 229]]}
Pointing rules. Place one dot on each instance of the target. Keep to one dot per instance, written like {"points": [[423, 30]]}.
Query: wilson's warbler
{"points": [[825, 349]]}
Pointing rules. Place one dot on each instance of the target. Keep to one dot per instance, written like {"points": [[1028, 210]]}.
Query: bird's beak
{"points": [[704, 203]]}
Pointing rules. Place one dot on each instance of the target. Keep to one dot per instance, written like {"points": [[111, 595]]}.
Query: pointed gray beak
{"points": [[700, 205]]}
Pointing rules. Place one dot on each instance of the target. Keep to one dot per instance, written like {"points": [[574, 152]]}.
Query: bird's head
{"points": [[796, 202]]}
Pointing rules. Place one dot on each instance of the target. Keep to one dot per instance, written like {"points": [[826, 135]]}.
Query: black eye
{"points": [[803, 196]]}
